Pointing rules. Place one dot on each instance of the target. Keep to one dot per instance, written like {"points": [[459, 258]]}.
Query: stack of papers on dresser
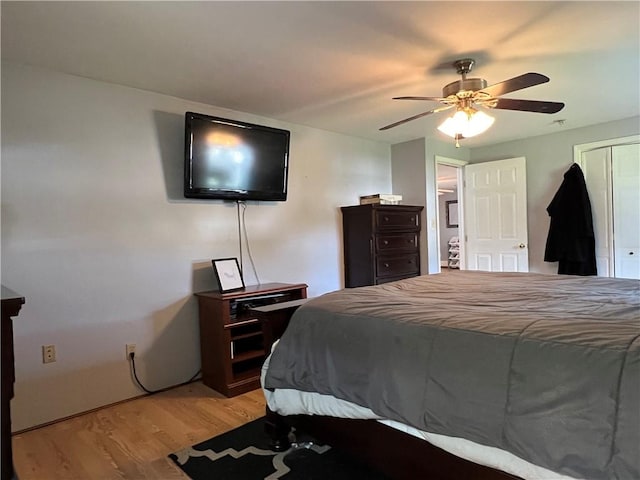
{"points": [[381, 198]]}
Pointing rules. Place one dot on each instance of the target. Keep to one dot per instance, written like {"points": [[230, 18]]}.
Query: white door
{"points": [[626, 210], [496, 216], [612, 175], [596, 166]]}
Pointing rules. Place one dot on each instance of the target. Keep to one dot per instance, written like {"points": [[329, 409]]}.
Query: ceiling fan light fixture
{"points": [[466, 123]]}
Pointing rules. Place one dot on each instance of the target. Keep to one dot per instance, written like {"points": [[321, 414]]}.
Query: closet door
{"points": [[612, 175], [625, 163], [596, 165]]}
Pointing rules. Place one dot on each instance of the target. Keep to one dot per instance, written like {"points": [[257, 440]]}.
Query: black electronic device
{"points": [[232, 160]]}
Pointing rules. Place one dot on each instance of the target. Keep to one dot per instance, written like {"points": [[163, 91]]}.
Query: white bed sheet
{"points": [[295, 402]]}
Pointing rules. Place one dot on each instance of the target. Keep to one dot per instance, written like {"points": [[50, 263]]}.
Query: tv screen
{"points": [[232, 160]]}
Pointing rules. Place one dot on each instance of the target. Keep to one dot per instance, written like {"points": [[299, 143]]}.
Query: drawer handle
{"points": [[386, 265], [386, 219], [386, 242]]}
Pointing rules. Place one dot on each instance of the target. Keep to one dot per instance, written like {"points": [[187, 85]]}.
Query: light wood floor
{"points": [[132, 440]]}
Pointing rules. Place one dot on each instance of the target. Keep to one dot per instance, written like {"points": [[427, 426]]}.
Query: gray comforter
{"points": [[544, 366]]}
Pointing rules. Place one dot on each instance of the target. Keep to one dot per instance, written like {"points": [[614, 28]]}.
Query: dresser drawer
{"points": [[407, 242], [396, 266], [406, 220]]}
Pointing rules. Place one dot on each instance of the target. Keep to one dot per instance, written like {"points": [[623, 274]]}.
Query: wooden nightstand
{"points": [[233, 341]]}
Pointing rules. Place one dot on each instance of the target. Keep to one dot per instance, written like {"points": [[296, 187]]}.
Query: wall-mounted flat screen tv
{"points": [[233, 160]]}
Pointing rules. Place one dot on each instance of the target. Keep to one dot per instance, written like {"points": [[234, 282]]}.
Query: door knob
{"points": [[522, 245]]}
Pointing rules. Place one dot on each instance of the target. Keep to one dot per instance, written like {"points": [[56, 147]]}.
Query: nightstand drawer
{"points": [[396, 266], [407, 242]]}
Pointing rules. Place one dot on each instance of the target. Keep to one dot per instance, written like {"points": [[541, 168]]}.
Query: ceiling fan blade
{"points": [[432, 99], [528, 105], [415, 117], [525, 80]]}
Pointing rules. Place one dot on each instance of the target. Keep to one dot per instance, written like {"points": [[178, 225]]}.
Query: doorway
{"points": [[449, 174], [491, 213]]}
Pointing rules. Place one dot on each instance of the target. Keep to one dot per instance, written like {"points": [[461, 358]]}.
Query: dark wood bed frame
{"points": [[396, 454]]}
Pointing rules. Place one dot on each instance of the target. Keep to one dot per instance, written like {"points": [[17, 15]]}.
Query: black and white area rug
{"points": [[244, 454]]}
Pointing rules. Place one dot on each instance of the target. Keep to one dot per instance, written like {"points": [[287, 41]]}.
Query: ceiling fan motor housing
{"points": [[464, 88]]}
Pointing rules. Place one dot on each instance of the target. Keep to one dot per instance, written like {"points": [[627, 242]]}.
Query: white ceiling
{"points": [[336, 65]]}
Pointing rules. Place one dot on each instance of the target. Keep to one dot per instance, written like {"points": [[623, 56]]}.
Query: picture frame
{"points": [[451, 207], [228, 274]]}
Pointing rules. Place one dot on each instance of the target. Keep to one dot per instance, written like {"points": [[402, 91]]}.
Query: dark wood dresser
{"points": [[381, 243], [11, 305]]}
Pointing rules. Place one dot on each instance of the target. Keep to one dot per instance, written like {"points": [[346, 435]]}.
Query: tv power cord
{"points": [[132, 356]]}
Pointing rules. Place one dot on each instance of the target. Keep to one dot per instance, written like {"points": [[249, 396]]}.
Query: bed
{"points": [[524, 375]]}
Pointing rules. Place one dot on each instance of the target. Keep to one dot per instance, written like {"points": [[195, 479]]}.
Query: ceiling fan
{"points": [[467, 94]]}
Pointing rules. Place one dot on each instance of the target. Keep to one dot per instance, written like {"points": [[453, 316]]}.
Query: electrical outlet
{"points": [[48, 353], [131, 348]]}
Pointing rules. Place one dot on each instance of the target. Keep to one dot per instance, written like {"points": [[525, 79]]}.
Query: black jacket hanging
{"points": [[571, 240]]}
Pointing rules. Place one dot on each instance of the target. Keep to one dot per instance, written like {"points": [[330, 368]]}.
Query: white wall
{"points": [[409, 180], [98, 238], [548, 157]]}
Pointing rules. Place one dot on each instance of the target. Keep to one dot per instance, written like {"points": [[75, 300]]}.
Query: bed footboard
{"points": [[399, 455]]}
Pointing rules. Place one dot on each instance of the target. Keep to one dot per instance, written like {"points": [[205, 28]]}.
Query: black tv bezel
{"points": [[235, 195]]}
